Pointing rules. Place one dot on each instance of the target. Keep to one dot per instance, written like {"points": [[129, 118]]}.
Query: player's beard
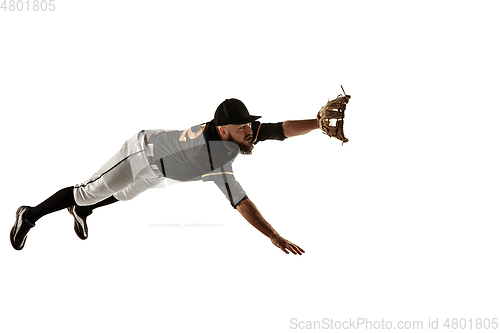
{"points": [[245, 149]]}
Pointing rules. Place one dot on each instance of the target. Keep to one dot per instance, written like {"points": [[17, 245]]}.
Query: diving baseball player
{"points": [[203, 152]]}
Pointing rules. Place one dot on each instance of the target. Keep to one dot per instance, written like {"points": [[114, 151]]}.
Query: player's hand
{"points": [[285, 245]]}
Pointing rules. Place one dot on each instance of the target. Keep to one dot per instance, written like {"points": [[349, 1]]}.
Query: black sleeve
{"points": [[267, 131], [225, 180]]}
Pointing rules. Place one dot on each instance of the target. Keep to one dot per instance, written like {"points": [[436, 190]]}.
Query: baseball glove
{"points": [[334, 111]]}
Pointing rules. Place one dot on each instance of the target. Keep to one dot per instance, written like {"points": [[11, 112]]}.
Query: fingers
{"points": [[287, 246], [294, 248], [290, 247], [299, 250]]}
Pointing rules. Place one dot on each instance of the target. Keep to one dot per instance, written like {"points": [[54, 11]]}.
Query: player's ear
{"points": [[223, 130]]}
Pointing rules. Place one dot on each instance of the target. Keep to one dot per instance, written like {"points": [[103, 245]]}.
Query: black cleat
{"points": [[19, 231], [80, 223]]}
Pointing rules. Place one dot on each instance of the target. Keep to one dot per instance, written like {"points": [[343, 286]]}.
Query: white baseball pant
{"points": [[124, 176]]}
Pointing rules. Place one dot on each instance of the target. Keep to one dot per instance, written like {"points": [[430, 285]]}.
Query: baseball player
{"points": [[203, 152]]}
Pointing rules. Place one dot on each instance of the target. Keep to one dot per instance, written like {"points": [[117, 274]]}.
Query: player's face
{"points": [[242, 135]]}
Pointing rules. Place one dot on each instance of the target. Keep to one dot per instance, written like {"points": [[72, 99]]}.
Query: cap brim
{"points": [[247, 120]]}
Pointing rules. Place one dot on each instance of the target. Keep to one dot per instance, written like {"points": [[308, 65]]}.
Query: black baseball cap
{"points": [[233, 111]]}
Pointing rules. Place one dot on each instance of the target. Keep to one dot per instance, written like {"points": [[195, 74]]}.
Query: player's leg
{"points": [[26, 216], [112, 177]]}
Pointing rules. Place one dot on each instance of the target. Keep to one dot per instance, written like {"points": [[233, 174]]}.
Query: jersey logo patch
{"points": [[192, 135]]}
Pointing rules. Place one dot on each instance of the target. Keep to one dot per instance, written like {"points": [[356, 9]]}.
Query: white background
{"points": [[401, 223]]}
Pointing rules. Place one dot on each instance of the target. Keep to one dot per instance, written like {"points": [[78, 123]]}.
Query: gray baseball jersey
{"points": [[198, 153]]}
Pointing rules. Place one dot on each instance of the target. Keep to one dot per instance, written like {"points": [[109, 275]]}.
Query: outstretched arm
{"points": [[248, 210], [299, 127]]}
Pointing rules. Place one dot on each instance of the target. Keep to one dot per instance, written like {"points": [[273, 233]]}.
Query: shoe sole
{"points": [[12, 231], [78, 231]]}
